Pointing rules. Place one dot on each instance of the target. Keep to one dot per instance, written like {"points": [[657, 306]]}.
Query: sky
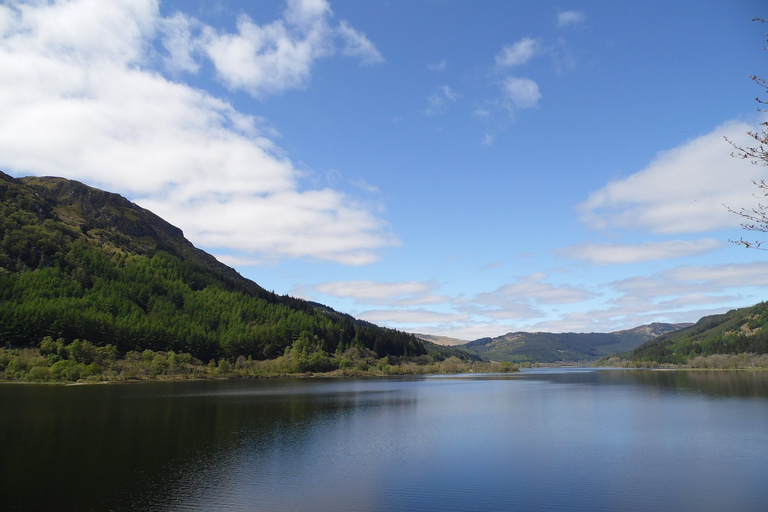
{"points": [[454, 168]]}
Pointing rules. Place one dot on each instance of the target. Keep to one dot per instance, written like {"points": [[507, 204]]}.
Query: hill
{"points": [[544, 347], [738, 331], [81, 263]]}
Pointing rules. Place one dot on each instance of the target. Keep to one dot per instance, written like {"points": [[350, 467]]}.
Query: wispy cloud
{"points": [[701, 279], [396, 317], [518, 53], [396, 294], [372, 290], [437, 66], [535, 288], [567, 18], [440, 98], [357, 45], [537, 303], [80, 99], [609, 253]]}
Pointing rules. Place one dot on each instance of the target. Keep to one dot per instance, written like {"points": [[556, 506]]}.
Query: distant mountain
{"points": [[737, 331], [544, 347], [81, 263]]}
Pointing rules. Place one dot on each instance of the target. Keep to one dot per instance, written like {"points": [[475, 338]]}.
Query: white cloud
{"points": [[520, 93], [357, 45], [517, 53], [565, 18], [697, 299], [395, 295], [234, 260], [706, 279], [682, 191], [80, 100], [722, 276], [271, 58], [371, 290], [606, 254], [522, 299], [410, 316], [542, 292], [180, 43]]}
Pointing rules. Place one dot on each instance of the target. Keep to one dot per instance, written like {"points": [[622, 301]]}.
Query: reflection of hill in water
{"points": [[730, 383], [744, 383]]}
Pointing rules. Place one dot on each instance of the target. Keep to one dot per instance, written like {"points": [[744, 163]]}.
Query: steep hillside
{"points": [[544, 347], [735, 332], [78, 262]]}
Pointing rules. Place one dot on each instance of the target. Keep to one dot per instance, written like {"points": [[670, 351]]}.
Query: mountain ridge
{"points": [[546, 347]]}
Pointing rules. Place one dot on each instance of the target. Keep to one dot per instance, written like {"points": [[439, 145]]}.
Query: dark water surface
{"points": [[561, 439]]}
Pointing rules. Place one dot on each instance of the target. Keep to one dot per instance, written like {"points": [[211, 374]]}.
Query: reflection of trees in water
{"points": [[736, 383], [135, 446], [305, 431]]}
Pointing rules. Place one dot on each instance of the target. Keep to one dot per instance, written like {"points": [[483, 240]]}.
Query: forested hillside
{"points": [[81, 263], [736, 332]]}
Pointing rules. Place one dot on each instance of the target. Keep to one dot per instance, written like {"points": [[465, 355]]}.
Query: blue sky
{"points": [[438, 166]]}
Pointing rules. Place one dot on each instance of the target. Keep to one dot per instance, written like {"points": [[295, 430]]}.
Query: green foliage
{"points": [[305, 358]]}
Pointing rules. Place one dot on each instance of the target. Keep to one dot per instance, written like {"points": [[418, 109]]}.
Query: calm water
{"points": [[541, 440]]}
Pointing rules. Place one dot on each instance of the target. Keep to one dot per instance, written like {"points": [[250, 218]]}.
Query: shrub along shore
{"points": [[80, 361], [743, 361]]}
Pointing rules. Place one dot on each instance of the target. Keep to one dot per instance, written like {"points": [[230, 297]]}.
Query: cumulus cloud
{"points": [[566, 18], [80, 99], [517, 53], [606, 254], [682, 190], [271, 58]]}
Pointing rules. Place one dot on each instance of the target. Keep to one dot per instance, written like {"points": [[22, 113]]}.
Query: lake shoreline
{"points": [[338, 375]]}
